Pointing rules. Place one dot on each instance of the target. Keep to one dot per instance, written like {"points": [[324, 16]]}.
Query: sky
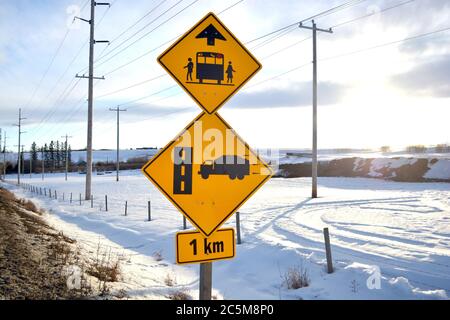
{"points": [[375, 88]]}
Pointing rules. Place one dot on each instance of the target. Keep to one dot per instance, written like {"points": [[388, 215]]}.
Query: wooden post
{"points": [[326, 235], [126, 207], [50, 193], [184, 223], [71, 198], [149, 211], [238, 228], [205, 281], [106, 202], [80, 199], [56, 195], [92, 201]]}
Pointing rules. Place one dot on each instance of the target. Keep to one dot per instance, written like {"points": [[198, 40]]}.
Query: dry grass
{"points": [[30, 206], [105, 267], [170, 280], [296, 277], [157, 255], [26, 204]]}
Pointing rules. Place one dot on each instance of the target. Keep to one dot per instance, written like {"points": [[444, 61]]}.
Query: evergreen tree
{"points": [[46, 155], [63, 152], [58, 157], [33, 155], [69, 155], [34, 151], [51, 151]]}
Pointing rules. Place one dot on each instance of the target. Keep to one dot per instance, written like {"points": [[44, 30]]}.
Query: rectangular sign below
{"points": [[194, 247]]}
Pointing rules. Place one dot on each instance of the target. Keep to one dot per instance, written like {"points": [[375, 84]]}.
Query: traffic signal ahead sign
{"points": [[209, 63], [194, 247], [207, 172]]}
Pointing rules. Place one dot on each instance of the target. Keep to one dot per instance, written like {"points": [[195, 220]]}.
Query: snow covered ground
{"points": [[400, 229], [282, 156]]}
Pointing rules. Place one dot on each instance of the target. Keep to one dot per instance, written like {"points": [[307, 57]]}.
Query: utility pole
{"points": [[91, 78], [67, 153], [118, 110], [4, 157], [23, 161], [314, 142], [1, 140], [19, 125], [31, 165]]}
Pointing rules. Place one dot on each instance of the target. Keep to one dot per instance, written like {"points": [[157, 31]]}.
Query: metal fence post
{"points": [[149, 211], [106, 202], [326, 235], [126, 207]]}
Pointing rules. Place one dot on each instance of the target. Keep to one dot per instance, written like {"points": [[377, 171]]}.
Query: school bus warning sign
{"points": [[209, 63]]}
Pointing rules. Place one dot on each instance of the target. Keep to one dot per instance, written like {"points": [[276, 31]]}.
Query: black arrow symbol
{"points": [[211, 34]]}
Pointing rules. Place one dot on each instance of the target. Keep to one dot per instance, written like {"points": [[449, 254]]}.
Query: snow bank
{"points": [[397, 169], [439, 169]]}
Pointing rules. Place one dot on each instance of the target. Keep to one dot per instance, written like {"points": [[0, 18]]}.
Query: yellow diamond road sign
{"points": [[207, 172], [210, 63]]}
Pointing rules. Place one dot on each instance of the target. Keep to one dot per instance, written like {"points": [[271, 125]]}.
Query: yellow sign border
{"points": [[234, 38], [205, 260], [174, 202]]}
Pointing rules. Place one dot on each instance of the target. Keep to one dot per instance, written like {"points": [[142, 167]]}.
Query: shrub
{"points": [[170, 280], [181, 294], [296, 277], [105, 268]]}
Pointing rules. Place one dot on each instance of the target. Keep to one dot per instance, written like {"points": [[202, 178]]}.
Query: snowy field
{"points": [[282, 156], [400, 229]]}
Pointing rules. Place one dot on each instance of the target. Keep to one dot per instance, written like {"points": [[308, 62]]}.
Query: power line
{"points": [[161, 45], [372, 14], [136, 33], [386, 44], [139, 20], [229, 7], [131, 102], [52, 60], [259, 45], [50, 113], [329, 11], [57, 102], [321, 14], [148, 33], [339, 25], [131, 86], [97, 24]]}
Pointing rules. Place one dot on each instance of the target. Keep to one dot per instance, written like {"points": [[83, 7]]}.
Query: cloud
{"points": [[299, 94], [430, 78]]}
